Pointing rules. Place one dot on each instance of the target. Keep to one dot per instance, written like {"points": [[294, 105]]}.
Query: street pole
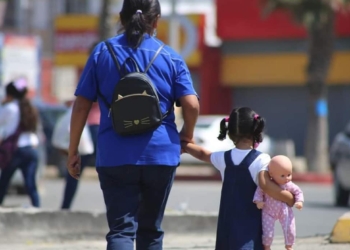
{"points": [[174, 42], [106, 21], [174, 28]]}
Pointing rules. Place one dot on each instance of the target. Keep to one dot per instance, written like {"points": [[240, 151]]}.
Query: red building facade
{"points": [[241, 21]]}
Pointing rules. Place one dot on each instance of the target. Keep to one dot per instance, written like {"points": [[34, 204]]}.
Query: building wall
{"points": [[244, 20], [264, 62], [277, 62], [269, 76], [285, 110]]}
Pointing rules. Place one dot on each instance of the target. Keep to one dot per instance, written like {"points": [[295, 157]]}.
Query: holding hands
{"points": [[188, 146], [185, 138]]}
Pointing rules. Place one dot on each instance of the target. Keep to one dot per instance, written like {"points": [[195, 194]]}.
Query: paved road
{"points": [[175, 242], [317, 217]]}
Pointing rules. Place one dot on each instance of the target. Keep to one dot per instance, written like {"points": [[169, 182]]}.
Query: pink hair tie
{"points": [[256, 117], [20, 84], [227, 119]]}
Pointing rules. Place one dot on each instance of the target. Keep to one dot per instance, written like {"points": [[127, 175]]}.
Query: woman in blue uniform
{"points": [[135, 172]]}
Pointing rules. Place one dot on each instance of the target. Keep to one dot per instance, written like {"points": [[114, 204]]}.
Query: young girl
{"points": [[242, 169]]}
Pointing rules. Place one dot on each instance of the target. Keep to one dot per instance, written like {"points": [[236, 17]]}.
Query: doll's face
{"points": [[280, 169]]}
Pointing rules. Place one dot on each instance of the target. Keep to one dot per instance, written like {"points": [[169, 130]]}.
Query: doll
{"points": [[280, 171]]}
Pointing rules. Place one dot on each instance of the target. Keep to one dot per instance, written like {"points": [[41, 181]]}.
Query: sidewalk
{"points": [[172, 242], [204, 173]]}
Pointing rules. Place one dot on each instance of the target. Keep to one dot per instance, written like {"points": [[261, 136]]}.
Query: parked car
{"points": [[340, 166], [206, 133], [49, 114]]}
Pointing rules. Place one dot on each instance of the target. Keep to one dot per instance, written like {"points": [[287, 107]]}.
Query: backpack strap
{"points": [[104, 100], [132, 60], [154, 58], [114, 57], [146, 70]]}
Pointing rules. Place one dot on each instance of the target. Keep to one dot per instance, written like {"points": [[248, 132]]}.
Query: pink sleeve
{"points": [[259, 195], [296, 191]]}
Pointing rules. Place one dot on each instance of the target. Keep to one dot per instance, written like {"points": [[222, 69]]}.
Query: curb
{"points": [[341, 230], [297, 177], [19, 225], [208, 174]]}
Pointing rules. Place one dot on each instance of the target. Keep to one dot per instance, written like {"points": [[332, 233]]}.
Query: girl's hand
{"points": [[74, 165], [183, 146]]}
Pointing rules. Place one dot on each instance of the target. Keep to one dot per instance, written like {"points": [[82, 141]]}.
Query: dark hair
{"points": [[29, 115], [12, 91], [137, 18], [243, 123]]}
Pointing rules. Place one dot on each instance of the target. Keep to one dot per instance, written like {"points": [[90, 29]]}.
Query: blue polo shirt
{"points": [[172, 80]]}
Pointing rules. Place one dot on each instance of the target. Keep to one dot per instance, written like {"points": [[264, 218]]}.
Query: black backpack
{"points": [[135, 105]]}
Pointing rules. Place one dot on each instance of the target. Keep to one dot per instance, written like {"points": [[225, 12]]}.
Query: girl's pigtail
{"points": [[258, 128], [223, 129]]}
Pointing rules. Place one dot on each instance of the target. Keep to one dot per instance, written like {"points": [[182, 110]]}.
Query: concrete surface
{"points": [[35, 229], [171, 242], [18, 224], [341, 230], [208, 173], [194, 196]]}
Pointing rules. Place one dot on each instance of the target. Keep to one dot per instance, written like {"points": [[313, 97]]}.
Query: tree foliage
{"points": [[311, 13]]}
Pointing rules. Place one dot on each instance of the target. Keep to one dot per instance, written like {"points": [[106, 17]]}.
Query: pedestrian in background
{"points": [[60, 140], [136, 172], [71, 187], [93, 122], [19, 140]]}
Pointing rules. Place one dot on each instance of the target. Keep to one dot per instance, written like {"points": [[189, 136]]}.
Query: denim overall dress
{"points": [[239, 223]]}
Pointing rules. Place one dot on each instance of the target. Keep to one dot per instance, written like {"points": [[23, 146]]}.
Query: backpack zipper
{"points": [[133, 95]]}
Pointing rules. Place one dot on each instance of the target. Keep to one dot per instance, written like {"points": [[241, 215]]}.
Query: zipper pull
{"points": [[109, 113]]}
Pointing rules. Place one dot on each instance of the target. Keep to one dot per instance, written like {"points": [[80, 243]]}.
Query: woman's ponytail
{"points": [[135, 29]]}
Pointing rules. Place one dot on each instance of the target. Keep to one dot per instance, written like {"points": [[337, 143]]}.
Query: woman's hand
{"points": [[74, 165], [184, 139]]}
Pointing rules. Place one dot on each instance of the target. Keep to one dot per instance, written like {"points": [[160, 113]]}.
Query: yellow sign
{"points": [[74, 35], [279, 69]]}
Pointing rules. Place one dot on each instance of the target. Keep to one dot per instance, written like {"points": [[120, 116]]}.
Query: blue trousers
{"points": [[71, 187], [135, 198], [25, 159], [71, 183]]}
